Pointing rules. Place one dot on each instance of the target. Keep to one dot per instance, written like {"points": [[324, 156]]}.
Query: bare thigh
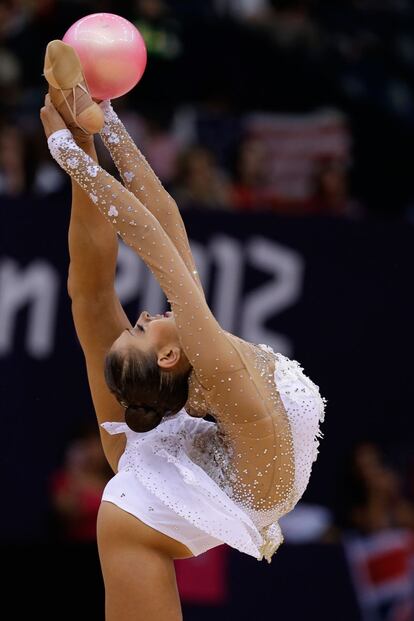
{"points": [[137, 565]]}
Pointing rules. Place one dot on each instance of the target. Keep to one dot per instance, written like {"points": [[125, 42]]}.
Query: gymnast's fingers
{"points": [[50, 117]]}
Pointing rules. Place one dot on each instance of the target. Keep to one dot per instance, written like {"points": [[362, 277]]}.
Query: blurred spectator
{"points": [[249, 188], [200, 182], [242, 9], [371, 494], [163, 38], [330, 190], [13, 162], [214, 124], [289, 23], [292, 148], [10, 76], [14, 15], [161, 148], [158, 28], [378, 523], [76, 487]]}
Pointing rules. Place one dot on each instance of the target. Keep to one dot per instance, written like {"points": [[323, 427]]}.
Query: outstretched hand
{"points": [[50, 117]]}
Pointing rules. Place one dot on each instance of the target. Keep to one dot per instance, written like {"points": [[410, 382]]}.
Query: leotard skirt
{"points": [[161, 479]]}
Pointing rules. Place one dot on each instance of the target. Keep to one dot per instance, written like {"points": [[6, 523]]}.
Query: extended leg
{"points": [[138, 568]]}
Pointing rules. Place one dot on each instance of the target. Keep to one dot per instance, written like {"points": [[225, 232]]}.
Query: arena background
{"points": [[307, 246]]}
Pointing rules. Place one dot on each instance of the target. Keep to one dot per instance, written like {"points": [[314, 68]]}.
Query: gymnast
{"points": [[182, 484]]}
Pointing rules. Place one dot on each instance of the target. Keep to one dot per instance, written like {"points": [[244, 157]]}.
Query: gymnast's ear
{"points": [[169, 356]]}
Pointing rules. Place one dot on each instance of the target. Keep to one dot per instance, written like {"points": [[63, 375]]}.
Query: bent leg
{"points": [[138, 568]]}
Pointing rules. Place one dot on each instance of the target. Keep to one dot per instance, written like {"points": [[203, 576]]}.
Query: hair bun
{"points": [[141, 418]]}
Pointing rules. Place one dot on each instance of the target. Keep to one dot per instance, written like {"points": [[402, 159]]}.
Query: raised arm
{"points": [[205, 344], [97, 313], [140, 179]]}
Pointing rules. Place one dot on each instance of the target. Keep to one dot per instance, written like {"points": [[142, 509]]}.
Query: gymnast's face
{"points": [[157, 332]]}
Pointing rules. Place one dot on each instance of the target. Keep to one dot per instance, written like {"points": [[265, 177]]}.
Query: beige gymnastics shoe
{"points": [[69, 91]]}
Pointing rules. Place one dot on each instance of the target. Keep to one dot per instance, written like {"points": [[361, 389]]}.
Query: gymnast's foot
{"points": [[69, 91]]}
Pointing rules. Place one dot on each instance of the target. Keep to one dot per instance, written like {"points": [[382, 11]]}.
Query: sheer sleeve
{"points": [[138, 177], [206, 345]]}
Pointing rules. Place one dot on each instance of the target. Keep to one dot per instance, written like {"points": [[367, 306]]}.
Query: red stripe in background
{"points": [[204, 579], [388, 565]]}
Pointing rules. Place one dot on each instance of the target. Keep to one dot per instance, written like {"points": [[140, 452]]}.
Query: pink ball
{"points": [[112, 52]]}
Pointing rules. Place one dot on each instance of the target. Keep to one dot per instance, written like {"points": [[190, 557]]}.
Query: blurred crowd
{"points": [[295, 106], [76, 485]]}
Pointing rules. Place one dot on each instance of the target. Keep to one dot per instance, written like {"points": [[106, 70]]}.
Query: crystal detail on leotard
{"points": [[303, 400], [226, 470], [197, 404]]}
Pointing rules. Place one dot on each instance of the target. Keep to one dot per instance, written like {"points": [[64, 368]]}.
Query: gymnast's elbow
{"points": [[94, 285]]}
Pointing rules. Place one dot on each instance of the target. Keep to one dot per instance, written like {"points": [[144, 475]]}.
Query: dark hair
{"points": [[140, 385]]}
